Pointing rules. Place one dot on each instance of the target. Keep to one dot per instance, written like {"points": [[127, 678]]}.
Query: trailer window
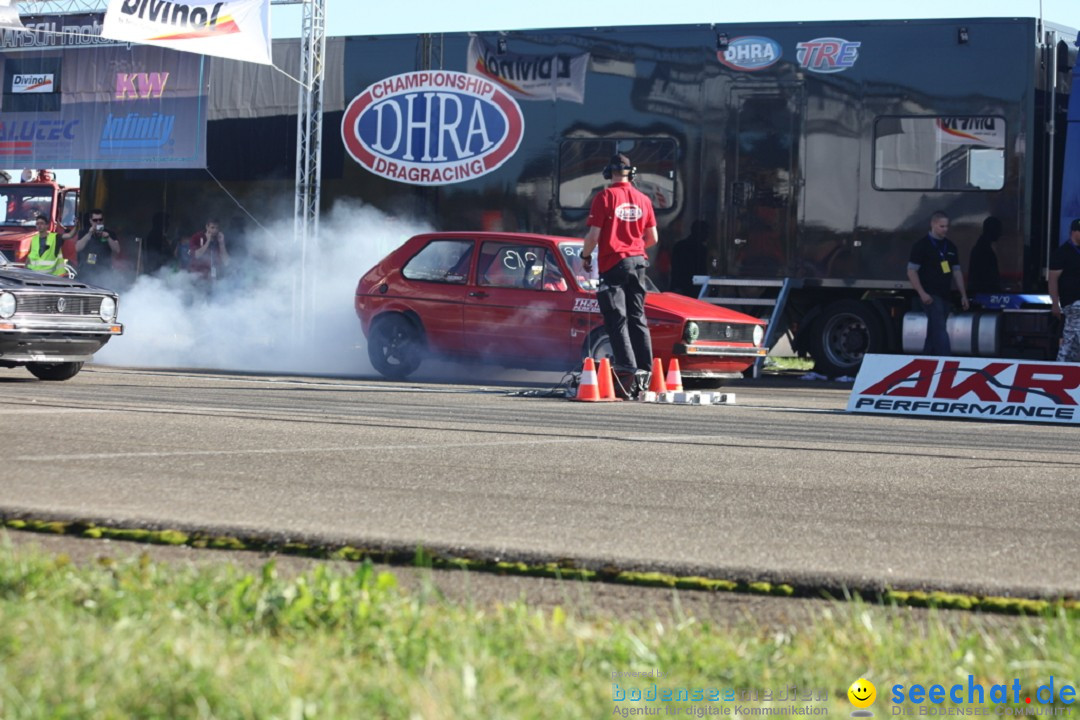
{"points": [[581, 162], [939, 153]]}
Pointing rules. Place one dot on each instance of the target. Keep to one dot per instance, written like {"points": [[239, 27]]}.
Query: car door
{"points": [[437, 286], [518, 310]]}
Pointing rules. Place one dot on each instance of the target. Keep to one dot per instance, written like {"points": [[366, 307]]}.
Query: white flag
{"points": [[237, 29], [9, 16]]}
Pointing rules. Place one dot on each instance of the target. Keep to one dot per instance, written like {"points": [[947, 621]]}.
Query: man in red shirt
{"points": [[207, 248], [622, 224]]}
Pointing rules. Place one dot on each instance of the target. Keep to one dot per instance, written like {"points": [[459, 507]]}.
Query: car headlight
{"points": [[7, 305], [759, 335], [691, 331], [107, 311]]}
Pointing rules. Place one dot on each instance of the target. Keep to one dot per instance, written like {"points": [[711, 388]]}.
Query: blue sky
{"points": [[352, 17]]}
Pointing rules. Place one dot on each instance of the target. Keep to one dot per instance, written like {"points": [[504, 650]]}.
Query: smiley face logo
{"points": [[862, 693]]}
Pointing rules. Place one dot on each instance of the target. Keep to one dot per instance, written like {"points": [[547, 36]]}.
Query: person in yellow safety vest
{"points": [[46, 252]]}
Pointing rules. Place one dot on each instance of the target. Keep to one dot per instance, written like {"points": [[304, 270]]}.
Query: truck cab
{"points": [[22, 203]]}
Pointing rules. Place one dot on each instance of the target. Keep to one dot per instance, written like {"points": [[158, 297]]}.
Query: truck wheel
{"points": [[845, 332], [54, 371], [395, 346]]}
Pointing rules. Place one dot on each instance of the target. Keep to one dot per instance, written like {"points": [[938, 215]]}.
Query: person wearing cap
{"points": [[1064, 286], [933, 267], [622, 225]]}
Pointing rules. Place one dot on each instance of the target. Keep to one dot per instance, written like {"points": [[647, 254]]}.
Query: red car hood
{"points": [[694, 309]]}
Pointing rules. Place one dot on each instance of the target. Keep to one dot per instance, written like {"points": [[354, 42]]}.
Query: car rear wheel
{"points": [[597, 346], [54, 371], [395, 346]]}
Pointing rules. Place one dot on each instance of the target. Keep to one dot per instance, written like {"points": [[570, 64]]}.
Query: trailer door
{"points": [[763, 181]]}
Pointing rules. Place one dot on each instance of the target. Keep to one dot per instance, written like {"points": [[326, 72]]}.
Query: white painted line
{"points": [[292, 451]]}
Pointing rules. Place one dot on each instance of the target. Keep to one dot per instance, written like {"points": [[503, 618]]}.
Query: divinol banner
{"points": [[969, 388], [433, 127], [556, 76], [237, 29], [97, 105]]}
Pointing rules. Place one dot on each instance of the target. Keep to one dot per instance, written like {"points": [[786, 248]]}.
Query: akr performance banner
{"points": [[71, 99], [969, 388]]}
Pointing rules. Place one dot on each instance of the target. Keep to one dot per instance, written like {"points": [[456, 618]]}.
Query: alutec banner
{"points": [[237, 29], [72, 99]]}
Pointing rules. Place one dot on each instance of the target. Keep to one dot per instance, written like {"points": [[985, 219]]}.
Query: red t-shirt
{"points": [[623, 213]]}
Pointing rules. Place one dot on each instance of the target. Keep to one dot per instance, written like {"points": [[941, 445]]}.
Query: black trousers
{"points": [[622, 301]]}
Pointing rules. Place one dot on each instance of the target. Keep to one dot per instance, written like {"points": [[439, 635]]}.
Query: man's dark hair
{"points": [[939, 215]]}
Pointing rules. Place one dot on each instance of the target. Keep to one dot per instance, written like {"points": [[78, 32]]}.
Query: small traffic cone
{"points": [[587, 390], [656, 383], [604, 382], [674, 377]]}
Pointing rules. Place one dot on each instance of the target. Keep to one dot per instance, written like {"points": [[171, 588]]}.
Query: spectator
{"points": [[983, 273], [207, 251], [96, 249], [933, 267], [46, 251], [690, 257]]}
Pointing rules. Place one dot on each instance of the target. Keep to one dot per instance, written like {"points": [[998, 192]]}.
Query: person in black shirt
{"points": [[933, 267], [690, 257], [1064, 285], [96, 247], [983, 273]]}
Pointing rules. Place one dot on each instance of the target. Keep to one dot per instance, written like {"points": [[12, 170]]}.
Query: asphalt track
{"points": [[782, 486]]}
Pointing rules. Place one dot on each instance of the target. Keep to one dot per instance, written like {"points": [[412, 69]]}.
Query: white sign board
{"points": [[969, 388]]}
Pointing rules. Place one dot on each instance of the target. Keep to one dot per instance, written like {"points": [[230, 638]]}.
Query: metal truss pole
{"points": [[309, 128]]}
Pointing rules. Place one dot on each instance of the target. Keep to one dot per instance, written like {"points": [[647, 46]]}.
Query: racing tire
{"points": [[54, 371], [395, 346], [843, 334], [597, 346]]}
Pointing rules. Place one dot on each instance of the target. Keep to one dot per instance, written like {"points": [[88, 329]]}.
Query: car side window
{"points": [[445, 261], [510, 265]]}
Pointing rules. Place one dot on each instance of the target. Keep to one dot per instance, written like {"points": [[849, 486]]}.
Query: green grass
{"points": [[138, 639], [781, 363]]}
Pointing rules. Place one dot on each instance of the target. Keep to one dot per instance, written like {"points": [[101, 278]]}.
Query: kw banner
{"points": [[531, 77], [970, 388], [71, 99], [237, 29]]}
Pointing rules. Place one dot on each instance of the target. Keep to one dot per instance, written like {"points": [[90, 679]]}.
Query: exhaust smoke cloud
{"points": [[248, 319]]}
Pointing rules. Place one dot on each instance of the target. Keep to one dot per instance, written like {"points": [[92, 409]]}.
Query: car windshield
{"points": [[571, 252], [20, 205]]}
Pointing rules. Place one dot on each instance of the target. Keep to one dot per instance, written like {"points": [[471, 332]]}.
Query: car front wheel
{"points": [[395, 346], [54, 371]]}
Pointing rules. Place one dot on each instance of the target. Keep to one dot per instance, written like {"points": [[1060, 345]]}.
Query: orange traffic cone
{"points": [[656, 383], [604, 382], [587, 390], [674, 377]]}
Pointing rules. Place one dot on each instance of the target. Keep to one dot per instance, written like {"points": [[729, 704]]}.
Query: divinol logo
{"points": [[136, 133], [184, 22], [40, 83], [827, 55], [750, 53], [432, 127]]}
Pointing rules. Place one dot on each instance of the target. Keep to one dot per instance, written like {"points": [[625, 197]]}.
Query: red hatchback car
{"points": [[524, 300]]}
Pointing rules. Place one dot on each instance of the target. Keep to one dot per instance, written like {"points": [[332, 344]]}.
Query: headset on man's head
{"points": [[619, 162]]}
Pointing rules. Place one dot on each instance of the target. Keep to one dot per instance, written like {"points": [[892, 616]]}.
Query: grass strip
{"points": [[132, 638], [565, 570]]}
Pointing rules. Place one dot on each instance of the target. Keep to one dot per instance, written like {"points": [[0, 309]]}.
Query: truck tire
{"points": [[844, 332], [54, 371]]}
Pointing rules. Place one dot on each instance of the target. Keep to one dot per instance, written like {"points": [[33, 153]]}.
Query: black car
{"points": [[52, 325]]}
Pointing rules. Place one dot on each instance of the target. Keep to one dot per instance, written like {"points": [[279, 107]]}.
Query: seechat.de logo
{"points": [[750, 53], [432, 127], [827, 55]]}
